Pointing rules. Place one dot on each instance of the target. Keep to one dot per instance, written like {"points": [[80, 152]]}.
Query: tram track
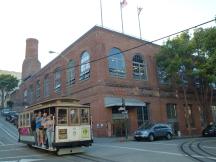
{"points": [[93, 158], [8, 127], [8, 134], [80, 157], [194, 150], [208, 153]]}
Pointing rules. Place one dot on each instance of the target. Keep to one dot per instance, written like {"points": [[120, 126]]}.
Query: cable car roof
{"points": [[56, 102]]}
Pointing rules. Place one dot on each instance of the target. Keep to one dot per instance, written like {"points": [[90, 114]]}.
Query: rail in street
{"points": [[195, 149], [111, 150]]}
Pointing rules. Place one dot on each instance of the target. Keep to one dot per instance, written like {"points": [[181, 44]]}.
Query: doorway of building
{"points": [[214, 113], [119, 126]]}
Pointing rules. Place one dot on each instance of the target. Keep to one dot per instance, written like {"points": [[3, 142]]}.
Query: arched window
{"points": [[37, 89], [30, 94], [139, 68], [46, 86], [25, 95], [85, 66], [116, 63], [57, 80], [71, 72]]}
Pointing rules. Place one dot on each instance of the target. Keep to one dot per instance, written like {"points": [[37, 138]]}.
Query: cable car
{"points": [[71, 126]]}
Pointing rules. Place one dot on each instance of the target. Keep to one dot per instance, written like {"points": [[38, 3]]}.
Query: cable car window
{"points": [[20, 120], [27, 119], [23, 120], [31, 116], [84, 116], [74, 116], [62, 117]]}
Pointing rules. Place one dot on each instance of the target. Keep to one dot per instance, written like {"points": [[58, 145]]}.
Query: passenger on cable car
{"points": [[33, 127], [50, 130], [39, 130], [43, 123]]}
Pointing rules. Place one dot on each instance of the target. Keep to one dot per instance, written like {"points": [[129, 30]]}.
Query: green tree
{"points": [[175, 60], [204, 47], [173, 55], [7, 84], [10, 104], [189, 62]]}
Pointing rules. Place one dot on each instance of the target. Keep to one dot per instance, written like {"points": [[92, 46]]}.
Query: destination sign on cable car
{"points": [[62, 133]]}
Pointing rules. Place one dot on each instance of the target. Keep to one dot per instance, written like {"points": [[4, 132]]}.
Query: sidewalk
{"points": [[112, 139], [130, 138]]}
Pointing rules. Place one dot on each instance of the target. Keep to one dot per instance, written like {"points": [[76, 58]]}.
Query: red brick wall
{"points": [[97, 43], [31, 64]]}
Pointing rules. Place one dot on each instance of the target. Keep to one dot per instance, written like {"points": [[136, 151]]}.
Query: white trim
{"points": [[74, 133]]}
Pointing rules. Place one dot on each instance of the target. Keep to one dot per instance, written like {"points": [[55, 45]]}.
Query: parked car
{"points": [[210, 130], [9, 115], [152, 131], [4, 112], [14, 119]]}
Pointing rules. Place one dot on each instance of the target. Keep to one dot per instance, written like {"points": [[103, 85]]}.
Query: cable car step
{"points": [[63, 151], [44, 148]]}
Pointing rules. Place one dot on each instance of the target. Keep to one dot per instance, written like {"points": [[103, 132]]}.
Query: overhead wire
{"points": [[135, 47], [129, 49]]}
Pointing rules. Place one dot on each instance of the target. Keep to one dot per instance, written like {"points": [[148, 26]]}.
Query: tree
{"points": [[174, 59], [204, 47], [10, 104], [174, 55], [7, 84], [189, 62]]}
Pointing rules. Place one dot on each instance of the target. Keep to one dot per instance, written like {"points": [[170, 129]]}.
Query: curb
{"points": [[130, 138]]}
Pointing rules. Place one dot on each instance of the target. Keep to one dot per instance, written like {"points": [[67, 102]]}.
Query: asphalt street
{"points": [[111, 150]]}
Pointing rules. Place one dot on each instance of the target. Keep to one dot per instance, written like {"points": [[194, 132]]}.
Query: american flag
{"points": [[123, 3], [139, 9]]}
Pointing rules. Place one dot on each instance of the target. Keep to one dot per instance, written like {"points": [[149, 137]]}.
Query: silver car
{"points": [[4, 112], [153, 131]]}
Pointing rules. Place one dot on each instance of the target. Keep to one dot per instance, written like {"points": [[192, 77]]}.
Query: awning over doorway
{"points": [[117, 101]]}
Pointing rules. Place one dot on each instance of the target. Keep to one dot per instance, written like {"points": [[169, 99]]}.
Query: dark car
{"points": [[210, 130], [5, 111], [153, 131], [9, 115], [13, 118]]}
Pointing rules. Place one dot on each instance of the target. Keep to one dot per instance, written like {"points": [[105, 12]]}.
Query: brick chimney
{"points": [[31, 64]]}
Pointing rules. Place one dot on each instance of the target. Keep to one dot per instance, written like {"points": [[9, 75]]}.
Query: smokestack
{"points": [[31, 64], [31, 48]]}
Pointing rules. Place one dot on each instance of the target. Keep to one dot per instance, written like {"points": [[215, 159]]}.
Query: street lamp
{"points": [[52, 52], [123, 110]]}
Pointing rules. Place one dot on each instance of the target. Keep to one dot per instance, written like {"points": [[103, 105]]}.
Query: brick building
{"points": [[100, 71]]}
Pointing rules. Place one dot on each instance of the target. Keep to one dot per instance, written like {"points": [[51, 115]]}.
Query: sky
{"points": [[58, 23]]}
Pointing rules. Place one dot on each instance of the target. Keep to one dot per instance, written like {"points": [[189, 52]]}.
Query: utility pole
{"points": [[125, 113], [122, 4], [101, 9], [139, 9]]}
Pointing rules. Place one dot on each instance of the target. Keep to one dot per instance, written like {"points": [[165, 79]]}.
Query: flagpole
{"points": [[101, 13], [138, 13], [121, 17]]}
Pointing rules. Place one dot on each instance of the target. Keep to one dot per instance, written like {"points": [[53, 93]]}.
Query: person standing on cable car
{"points": [[43, 130], [38, 129], [33, 128], [50, 130]]}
